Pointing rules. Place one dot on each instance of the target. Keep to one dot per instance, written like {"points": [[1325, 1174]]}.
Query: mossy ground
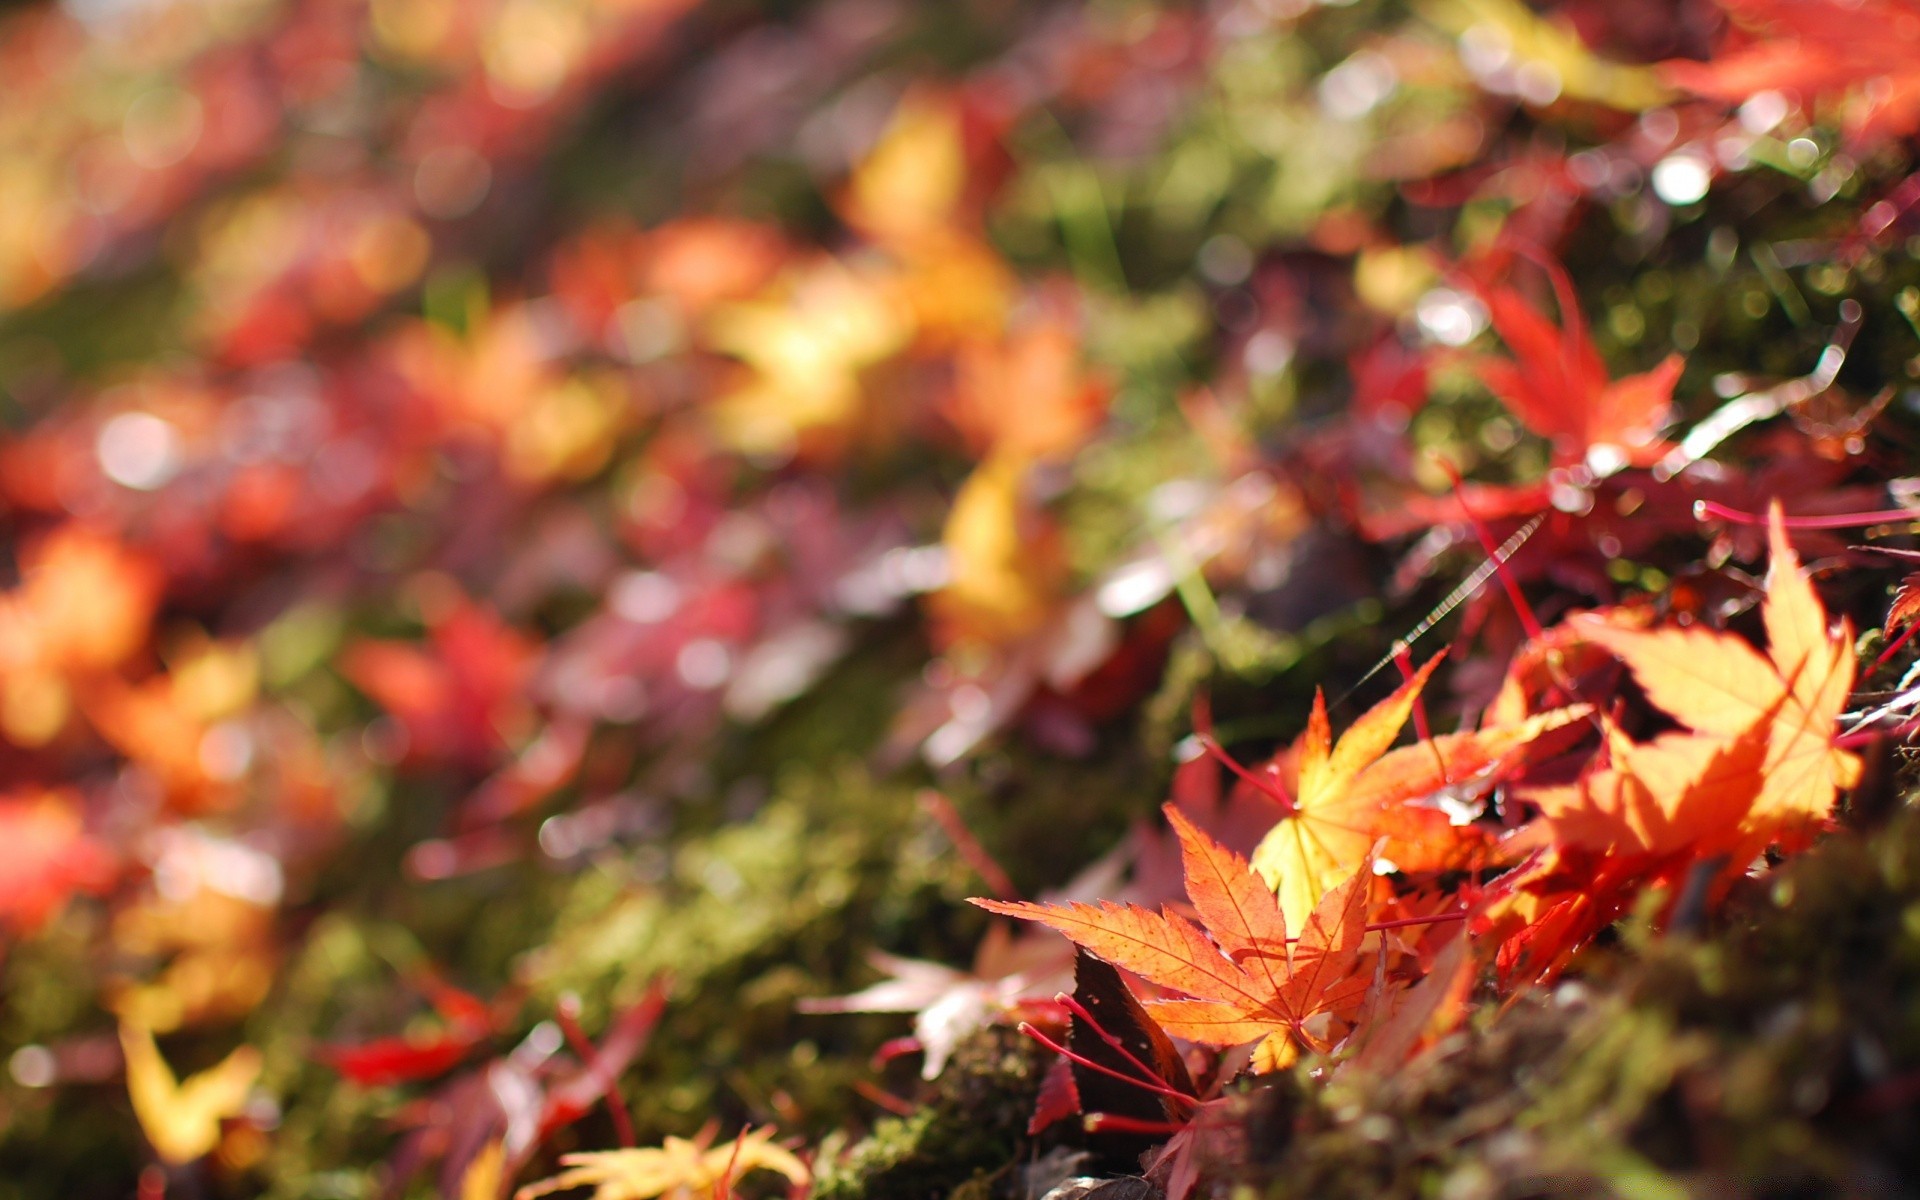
{"points": [[1774, 1052]]}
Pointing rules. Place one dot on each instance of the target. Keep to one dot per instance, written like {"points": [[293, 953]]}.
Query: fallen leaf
{"points": [[1679, 792], [48, 856], [949, 1003], [1247, 981], [1866, 52], [1428, 1010], [1558, 386], [182, 1119], [484, 1174], [1144, 1062], [681, 1168], [1351, 793], [1722, 688]]}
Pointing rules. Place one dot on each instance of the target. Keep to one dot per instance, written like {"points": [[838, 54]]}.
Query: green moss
{"points": [[828, 847], [1776, 1055], [747, 920], [968, 1133]]}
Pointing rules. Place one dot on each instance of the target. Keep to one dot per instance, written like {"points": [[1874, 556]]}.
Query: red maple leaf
{"points": [[1865, 53], [1557, 385], [458, 700], [48, 857]]}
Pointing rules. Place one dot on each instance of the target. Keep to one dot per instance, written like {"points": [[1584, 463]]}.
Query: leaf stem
{"points": [[937, 805], [1103, 1122], [1521, 608], [1268, 785], [1155, 1086], [1403, 922], [1073, 1005], [1706, 510]]}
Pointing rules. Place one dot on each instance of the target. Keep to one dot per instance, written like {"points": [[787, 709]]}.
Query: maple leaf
{"points": [[1867, 51], [1352, 792], [1558, 387], [678, 1167], [806, 348], [1422, 1014], [917, 195], [1723, 689], [164, 722], [182, 1119], [483, 1176], [459, 699], [1060, 402], [1006, 561], [83, 607], [402, 1059], [701, 261], [49, 855], [1247, 981], [1679, 792], [1556, 664], [1119, 1069], [909, 185], [948, 1003]]}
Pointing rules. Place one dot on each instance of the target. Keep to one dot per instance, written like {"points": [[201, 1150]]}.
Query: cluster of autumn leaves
{"points": [[1754, 767], [1362, 928]]}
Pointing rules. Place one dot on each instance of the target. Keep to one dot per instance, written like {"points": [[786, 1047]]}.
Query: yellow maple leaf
{"points": [[909, 184], [1354, 792], [1723, 689], [806, 349], [681, 1168], [1005, 564], [182, 1120], [483, 1176]]}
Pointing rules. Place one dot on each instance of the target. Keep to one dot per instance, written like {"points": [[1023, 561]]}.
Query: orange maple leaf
{"points": [[1247, 980], [1786, 703], [1060, 402], [1350, 793], [83, 607], [1421, 1015], [1679, 792]]}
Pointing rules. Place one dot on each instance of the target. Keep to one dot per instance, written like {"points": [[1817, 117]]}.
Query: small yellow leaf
{"points": [[182, 1120], [681, 1168], [1004, 564], [1351, 792], [911, 182], [1722, 688], [483, 1175]]}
